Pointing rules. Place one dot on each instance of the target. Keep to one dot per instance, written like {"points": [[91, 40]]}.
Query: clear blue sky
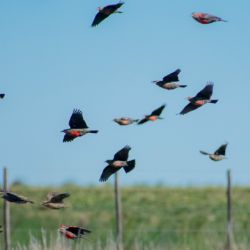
{"points": [[52, 61]]}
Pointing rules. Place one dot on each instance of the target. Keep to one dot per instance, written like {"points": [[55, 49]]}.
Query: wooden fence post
{"points": [[118, 210], [6, 213], [229, 212]]}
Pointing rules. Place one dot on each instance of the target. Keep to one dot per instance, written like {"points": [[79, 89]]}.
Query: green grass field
{"points": [[154, 217]]}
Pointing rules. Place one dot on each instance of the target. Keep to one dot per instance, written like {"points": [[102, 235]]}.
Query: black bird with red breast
{"points": [[119, 161], [78, 127], [203, 97], [104, 12]]}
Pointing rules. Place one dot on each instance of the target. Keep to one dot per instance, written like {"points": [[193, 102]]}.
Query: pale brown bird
{"points": [[218, 155], [123, 121], [55, 200]]}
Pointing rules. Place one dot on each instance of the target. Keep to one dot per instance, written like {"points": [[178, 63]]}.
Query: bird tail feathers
{"points": [[182, 86], [203, 152], [93, 131], [213, 101]]}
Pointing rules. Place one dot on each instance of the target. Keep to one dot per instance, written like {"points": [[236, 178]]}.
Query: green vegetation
{"points": [[154, 217]]}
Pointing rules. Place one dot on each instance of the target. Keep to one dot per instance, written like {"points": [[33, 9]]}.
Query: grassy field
{"points": [[154, 218]]}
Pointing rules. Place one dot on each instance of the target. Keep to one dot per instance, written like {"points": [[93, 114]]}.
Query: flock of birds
{"points": [[78, 127]]}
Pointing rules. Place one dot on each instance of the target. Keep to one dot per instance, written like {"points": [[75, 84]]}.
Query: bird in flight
{"points": [[104, 12], [78, 127], [55, 200], [218, 155], [123, 121], [200, 99], [155, 115], [119, 161], [15, 198], [73, 232], [205, 18], [169, 81]]}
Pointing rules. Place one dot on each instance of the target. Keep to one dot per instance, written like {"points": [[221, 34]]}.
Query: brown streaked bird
{"points": [[169, 81], [155, 115], [119, 161], [200, 99], [2, 96], [104, 12], [73, 232], [15, 198], [55, 200], [218, 155], [123, 121], [78, 127]]}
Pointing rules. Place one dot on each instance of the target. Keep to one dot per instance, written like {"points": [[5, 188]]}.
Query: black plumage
{"points": [[76, 120]]}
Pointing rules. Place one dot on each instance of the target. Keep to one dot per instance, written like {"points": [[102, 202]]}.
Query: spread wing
{"points": [[221, 150], [122, 155], [68, 138], [172, 77], [158, 111], [105, 12], [107, 172], [76, 120], [142, 121], [206, 92], [188, 108], [58, 198]]}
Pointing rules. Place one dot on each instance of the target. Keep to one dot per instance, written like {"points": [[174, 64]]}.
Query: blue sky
{"points": [[52, 61]]}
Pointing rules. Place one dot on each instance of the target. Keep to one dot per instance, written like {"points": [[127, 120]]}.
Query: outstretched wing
{"points": [[107, 172], [122, 155], [76, 120], [58, 198], [172, 77], [221, 150], [158, 111], [188, 108], [68, 138], [206, 92], [105, 12], [142, 121]]}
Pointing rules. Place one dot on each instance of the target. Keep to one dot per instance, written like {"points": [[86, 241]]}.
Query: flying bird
{"points": [[78, 127], [123, 121], [200, 99], [169, 81], [218, 155], [72, 232], [11, 197], [155, 115], [2, 96], [55, 200], [104, 12], [205, 18], [119, 161]]}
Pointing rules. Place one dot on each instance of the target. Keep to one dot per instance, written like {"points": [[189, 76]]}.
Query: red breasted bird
{"points": [[123, 121], [200, 99], [119, 161], [218, 155], [78, 127], [205, 18], [106, 11], [2, 96], [72, 232], [55, 200], [155, 115], [15, 198], [169, 81]]}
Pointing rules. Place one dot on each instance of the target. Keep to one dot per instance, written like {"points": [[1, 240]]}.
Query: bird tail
{"points": [[32, 202], [203, 152], [131, 165], [182, 86], [136, 120], [213, 101], [222, 20], [154, 81], [93, 131], [118, 11]]}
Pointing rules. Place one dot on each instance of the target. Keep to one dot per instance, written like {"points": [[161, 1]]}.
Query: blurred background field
{"points": [[154, 217]]}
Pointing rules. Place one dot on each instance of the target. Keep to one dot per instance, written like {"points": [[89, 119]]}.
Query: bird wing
{"points": [[221, 150], [188, 108], [2, 96], [105, 12], [122, 155], [68, 138], [142, 121], [58, 198], [206, 92], [107, 172], [172, 77], [78, 230], [158, 111], [76, 120]]}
